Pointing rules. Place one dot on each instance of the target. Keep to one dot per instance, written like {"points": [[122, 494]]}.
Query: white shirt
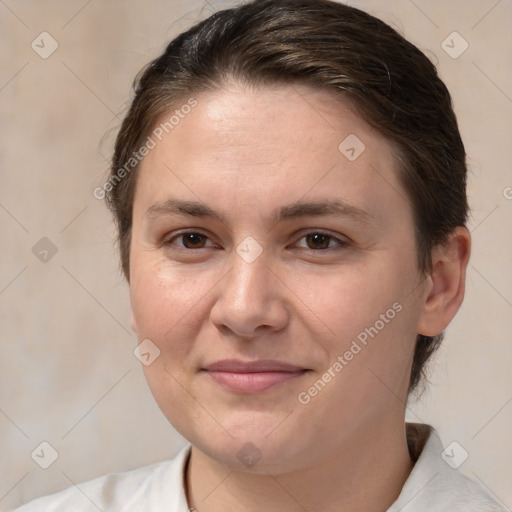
{"points": [[432, 486]]}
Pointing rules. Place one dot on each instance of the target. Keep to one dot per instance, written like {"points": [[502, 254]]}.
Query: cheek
{"points": [[164, 302], [165, 308], [352, 299], [370, 314]]}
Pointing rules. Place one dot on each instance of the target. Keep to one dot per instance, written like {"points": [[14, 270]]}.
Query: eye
{"points": [[190, 240], [317, 240]]}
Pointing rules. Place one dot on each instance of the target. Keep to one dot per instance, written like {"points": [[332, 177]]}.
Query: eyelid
{"points": [[167, 240], [341, 240]]}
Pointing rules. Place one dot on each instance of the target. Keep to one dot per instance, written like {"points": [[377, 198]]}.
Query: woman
{"points": [[289, 187]]}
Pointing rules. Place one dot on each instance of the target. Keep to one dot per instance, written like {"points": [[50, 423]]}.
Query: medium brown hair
{"points": [[329, 46]]}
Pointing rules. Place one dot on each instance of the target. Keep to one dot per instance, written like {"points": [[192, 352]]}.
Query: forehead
{"points": [[264, 143], [279, 116]]}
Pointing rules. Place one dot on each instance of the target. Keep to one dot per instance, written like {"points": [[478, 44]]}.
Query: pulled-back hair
{"points": [[329, 46]]}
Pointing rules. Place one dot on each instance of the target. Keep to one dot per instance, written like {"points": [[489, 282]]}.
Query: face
{"points": [[273, 266]]}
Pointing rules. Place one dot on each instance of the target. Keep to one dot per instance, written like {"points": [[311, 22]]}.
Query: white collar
{"points": [[432, 486]]}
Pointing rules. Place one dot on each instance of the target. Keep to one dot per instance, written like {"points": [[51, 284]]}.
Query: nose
{"points": [[251, 299]]}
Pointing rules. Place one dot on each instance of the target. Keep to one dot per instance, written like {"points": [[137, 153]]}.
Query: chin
{"points": [[254, 444]]}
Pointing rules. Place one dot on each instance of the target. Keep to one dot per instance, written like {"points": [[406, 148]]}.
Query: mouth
{"points": [[252, 377]]}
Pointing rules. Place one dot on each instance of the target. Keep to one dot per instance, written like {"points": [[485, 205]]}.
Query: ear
{"points": [[446, 283]]}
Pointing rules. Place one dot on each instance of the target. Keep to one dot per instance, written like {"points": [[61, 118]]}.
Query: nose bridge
{"points": [[249, 273], [249, 296]]}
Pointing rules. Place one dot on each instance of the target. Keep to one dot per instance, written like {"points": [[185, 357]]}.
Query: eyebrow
{"points": [[173, 206]]}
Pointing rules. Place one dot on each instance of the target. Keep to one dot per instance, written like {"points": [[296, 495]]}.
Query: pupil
{"points": [[318, 238], [194, 238]]}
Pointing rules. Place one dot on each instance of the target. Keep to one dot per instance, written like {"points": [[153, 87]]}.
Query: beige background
{"points": [[68, 374]]}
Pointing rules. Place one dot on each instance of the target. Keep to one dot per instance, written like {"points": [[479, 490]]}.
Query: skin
{"points": [[245, 152]]}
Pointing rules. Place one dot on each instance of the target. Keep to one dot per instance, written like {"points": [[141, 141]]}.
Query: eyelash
{"points": [[341, 243]]}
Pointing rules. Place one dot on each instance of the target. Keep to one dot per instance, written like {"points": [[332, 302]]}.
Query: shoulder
{"points": [[434, 484], [145, 488], [461, 494]]}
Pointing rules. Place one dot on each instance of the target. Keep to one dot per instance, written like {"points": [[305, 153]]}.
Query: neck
{"points": [[366, 473]]}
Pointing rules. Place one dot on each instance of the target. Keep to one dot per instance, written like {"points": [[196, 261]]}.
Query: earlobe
{"points": [[445, 292]]}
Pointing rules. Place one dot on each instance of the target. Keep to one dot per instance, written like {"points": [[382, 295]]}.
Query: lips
{"points": [[264, 365], [252, 376]]}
